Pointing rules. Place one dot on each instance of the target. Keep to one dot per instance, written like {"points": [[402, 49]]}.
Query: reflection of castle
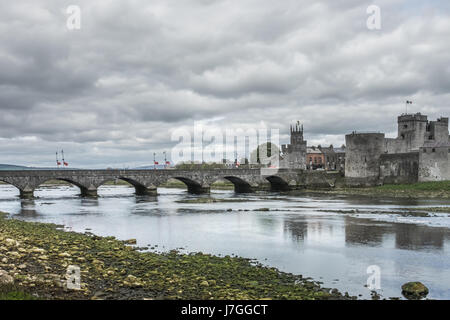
{"points": [[294, 154], [419, 153], [297, 229], [410, 236], [407, 236]]}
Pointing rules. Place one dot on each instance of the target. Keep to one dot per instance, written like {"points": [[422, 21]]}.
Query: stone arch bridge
{"points": [[146, 182]]}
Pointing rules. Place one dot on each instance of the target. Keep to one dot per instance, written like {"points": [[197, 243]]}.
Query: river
{"points": [[309, 234]]}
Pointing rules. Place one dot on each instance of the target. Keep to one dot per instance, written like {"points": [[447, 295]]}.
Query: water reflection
{"points": [[413, 237], [357, 233], [27, 208], [89, 202], [298, 230], [145, 199], [360, 232]]}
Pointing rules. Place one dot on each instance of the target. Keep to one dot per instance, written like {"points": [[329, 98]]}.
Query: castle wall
{"points": [[421, 152], [399, 168], [395, 145], [434, 166], [362, 166]]}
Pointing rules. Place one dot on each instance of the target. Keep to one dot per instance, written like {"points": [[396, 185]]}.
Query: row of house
{"points": [[327, 158]]}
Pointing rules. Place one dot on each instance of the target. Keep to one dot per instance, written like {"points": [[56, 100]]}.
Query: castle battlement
{"points": [[406, 117]]}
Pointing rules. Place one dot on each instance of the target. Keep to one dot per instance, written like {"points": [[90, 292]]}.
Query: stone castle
{"points": [[419, 153]]}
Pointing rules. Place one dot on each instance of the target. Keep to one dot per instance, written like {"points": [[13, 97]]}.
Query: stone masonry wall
{"points": [[434, 164], [399, 168]]}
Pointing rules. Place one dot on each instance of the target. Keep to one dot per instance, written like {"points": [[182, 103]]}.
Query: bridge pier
{"points": [[91, 193], [26, 194], [144, 191]]}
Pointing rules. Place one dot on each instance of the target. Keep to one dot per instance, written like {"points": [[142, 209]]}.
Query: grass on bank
{"points": [[435, 189], [420, 186]]}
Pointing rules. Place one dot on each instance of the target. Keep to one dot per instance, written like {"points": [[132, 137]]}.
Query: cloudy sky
{"points": [[112, 92]]}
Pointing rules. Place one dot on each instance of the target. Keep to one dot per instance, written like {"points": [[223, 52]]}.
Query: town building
{"points": [[315, 158], [334, 158]]}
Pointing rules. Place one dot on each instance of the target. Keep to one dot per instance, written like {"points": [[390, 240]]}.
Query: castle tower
{"points": [[362, 163], [412, 130], [294, 154], [297, 134]]}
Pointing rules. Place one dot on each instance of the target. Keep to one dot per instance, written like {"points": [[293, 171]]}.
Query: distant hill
{"points": [[12, 167], [158, 167]]}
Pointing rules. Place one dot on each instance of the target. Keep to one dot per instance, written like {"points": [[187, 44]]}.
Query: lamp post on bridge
{"points": [[165, 159]]}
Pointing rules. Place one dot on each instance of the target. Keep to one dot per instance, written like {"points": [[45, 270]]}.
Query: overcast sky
{"points": [[111, 93]]}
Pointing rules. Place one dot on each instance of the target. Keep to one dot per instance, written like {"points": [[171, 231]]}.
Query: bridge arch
{"points": [[193, 186], [240, 185], [84, 190], [278, 184], [140, 188], [5, 181]]}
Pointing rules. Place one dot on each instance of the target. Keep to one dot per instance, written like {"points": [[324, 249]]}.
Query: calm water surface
{"points": [[302, 234]]}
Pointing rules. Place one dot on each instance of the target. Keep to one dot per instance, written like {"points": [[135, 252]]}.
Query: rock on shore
{"points": [[414, 290]]}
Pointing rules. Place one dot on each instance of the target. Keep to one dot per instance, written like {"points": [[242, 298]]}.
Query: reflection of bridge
{"points": [[146, 182]]}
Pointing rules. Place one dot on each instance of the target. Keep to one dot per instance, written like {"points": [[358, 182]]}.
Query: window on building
{"points": [[433, 150], [405, 126], [424, 150]]}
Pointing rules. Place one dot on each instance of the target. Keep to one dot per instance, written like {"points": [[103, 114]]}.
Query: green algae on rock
{"points": [[39, 255], [414, 290]]}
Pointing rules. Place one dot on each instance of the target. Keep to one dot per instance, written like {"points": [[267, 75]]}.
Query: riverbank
{"points": [[36, 256], [438, 189]]}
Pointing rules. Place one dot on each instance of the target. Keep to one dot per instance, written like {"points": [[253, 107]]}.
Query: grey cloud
{"points": [[112, 92]]}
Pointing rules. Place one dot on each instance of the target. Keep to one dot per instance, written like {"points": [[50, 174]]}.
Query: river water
{"points": [[301, 233]]}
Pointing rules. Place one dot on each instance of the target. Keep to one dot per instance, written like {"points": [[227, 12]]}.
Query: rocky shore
{"points": [[35, 259]]}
